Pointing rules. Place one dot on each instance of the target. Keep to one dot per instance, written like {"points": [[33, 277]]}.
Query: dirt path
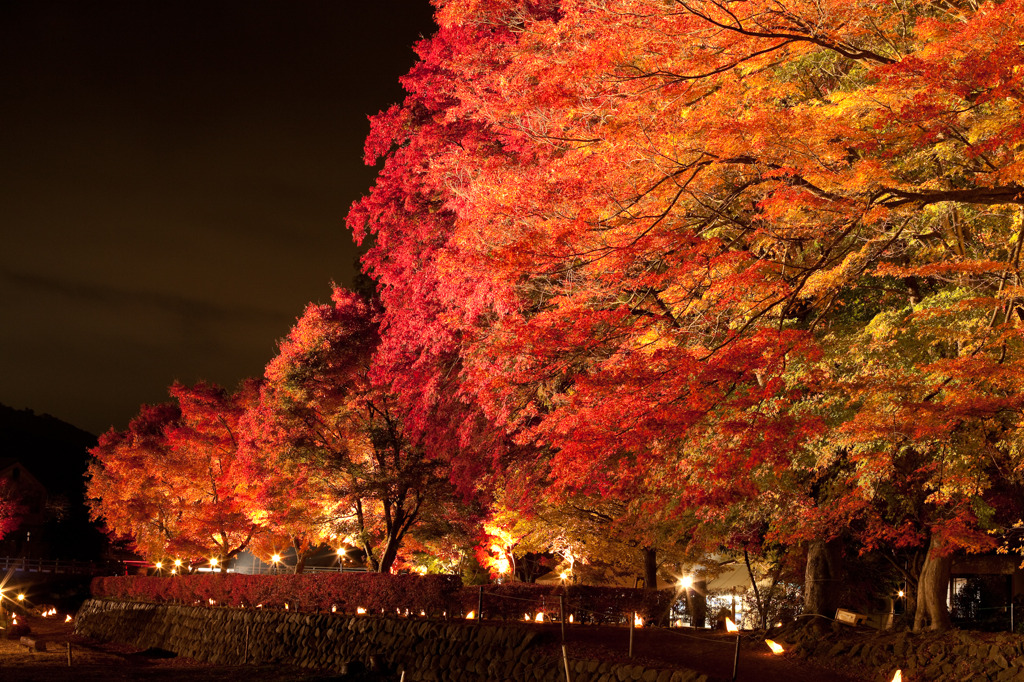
{"points": [[708, 652]]}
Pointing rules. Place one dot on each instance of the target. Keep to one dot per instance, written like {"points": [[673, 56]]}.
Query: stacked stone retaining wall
{"points": [[954, 656], [425, 650]]}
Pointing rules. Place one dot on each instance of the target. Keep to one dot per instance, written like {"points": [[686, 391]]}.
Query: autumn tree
{"points": [[345, 462], [169, 483], [11, 509], [634, 230]]}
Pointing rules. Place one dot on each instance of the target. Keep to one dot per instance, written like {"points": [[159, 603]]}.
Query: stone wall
{"points": [[426, 650], [955, 656]]}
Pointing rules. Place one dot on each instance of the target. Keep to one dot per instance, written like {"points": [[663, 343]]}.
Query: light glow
{"points": [[159, 565], [177, 562], [471, 615], [214, 561], [775, 647], [68, 619], [360, 610], [570, 617], [898, 677], [539, 618], [637, 620], [730, 626], [21, 597], [276, 558], [686, 582]]}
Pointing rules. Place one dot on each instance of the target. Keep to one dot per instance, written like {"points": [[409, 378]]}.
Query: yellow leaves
{"points": [[947, 268]]}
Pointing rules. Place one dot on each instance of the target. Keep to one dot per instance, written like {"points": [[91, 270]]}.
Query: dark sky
{"points": [[174, 177]]}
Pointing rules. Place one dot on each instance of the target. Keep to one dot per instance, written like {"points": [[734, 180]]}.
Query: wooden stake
{"points": [[480, 606], [561, 607], [736, 657], [632, 626], [565, 660], [69, 654]]}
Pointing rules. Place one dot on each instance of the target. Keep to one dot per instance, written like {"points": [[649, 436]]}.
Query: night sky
{"points": [[174, 178]]}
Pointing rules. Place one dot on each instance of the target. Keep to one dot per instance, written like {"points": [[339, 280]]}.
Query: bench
{"points": [[33, 644]]}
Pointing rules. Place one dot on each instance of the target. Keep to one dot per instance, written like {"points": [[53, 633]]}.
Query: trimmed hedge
{"points": [[587, 604], [344, 592], [384, 593]]}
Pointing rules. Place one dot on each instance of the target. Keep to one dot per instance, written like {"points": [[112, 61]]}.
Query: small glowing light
{"points": [[423, 613], [174, 571], [731, 626], [360, 610], [177, 562], [286, 606], [259, 606], [678, 623], [334, 608], [471, 615], [276, 558], [526, 617], [775, 647], [686, 582], [570, 617], [898, 677], [539, 618], [779, 624], [900, 593], [158, 565], [564, 575], [422, 570], [214, 561], [341, 551], [21, 597], [637, 620], [212, 602], [68, 619]]}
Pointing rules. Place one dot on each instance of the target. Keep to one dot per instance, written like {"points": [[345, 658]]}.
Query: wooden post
{"points": [[245, 654], [565, 660], [561, 607], [736, 657], [632, 626], [480, 606], [69, 654]]}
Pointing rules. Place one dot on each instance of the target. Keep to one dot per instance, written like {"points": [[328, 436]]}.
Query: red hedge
{"points": [[384, 593], [375, 592]]}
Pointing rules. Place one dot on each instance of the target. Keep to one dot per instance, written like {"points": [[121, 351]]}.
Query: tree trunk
{"points": [[699, 615], [932, 588], [822, 576], [650, 557], [388, 556]]}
